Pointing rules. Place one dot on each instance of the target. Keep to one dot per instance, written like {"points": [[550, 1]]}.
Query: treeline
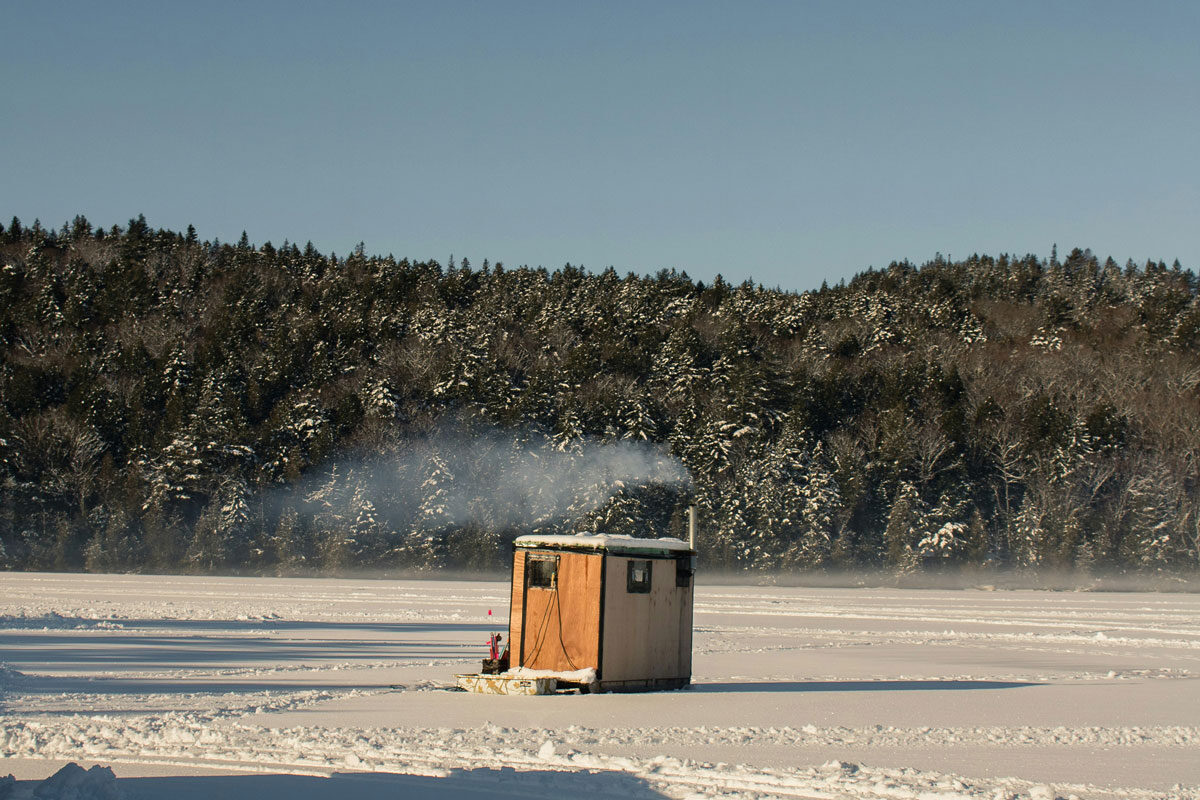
{"points": [[176, 404]]}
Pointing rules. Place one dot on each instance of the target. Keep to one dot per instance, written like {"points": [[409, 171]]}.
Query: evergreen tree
{"points": [[903, 530]]}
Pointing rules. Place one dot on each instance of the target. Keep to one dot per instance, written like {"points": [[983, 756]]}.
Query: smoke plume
{"points": [[498, 479]]}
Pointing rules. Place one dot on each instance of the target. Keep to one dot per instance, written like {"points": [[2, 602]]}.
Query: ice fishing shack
{"points": [[616, 606]]}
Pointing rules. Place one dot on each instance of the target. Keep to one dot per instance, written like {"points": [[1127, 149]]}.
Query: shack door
{"points": [[558, 596]]}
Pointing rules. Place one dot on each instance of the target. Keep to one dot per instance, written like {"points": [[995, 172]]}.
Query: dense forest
{"points": [[176, 404]]}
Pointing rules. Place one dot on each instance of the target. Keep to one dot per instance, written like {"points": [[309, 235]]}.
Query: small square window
{"points": [[541, 572], [638, 581]]}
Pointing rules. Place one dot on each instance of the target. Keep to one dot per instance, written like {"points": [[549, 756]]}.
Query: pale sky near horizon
{"points": [[789, 143]]}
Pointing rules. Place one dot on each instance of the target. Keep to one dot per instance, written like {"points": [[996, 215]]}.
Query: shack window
{"points": [[639, 577], [683, 571], [541, 572]]}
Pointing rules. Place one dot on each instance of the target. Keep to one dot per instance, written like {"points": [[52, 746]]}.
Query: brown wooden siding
{"points": [[516, 608], [561, 625]]}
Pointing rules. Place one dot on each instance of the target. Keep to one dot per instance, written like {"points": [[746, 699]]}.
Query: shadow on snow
{"points": [[473, 784], [860, 686]]}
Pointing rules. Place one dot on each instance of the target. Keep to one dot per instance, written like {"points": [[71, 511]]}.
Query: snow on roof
{"points": [[603, 541]]}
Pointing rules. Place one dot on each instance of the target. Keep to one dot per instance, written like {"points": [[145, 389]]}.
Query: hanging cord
{"points": [[555, 606], [561, 643], [540, 639]]}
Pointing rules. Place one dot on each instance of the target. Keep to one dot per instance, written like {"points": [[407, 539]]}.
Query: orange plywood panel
{"points": [[562, 624], [579, 610], [541, 628], [516, 608]]}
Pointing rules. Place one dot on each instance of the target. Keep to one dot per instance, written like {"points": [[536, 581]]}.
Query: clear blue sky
{"points": [[786, 142]]}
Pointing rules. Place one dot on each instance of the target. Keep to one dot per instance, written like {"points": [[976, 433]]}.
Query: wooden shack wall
{"points": [[646, 636], [686, 599], [516, 608], [559, 629]]}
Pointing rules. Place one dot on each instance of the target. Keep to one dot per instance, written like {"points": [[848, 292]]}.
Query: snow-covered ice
{"points": [[244, 688], [586, 676]]}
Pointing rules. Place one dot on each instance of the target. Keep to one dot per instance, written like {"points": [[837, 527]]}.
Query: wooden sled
{"points": [[505, 684]]}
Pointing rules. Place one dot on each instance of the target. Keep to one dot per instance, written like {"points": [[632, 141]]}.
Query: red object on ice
{"points": [[494, 646]]}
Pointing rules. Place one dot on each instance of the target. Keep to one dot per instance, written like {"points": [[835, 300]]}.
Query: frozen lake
{"points": [[203, 687]]}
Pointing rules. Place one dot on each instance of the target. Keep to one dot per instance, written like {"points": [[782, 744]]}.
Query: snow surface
{"points": [[587, 675], [245, 688], [603, 541]]}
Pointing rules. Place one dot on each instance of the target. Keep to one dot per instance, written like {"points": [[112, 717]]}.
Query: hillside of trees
{"points": [[172, 404]]}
